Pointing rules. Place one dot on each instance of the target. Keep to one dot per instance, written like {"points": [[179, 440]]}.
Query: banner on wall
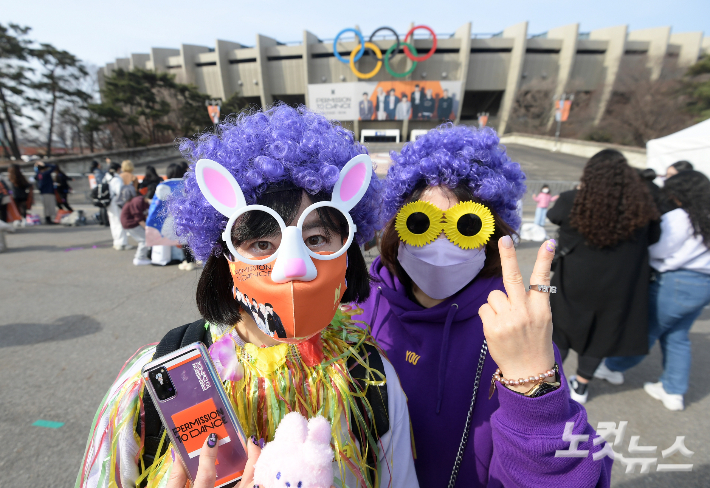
{"points": [[386, 100]]}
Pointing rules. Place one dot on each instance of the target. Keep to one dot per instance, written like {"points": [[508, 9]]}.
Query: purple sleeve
{"points": [[528, 431]]}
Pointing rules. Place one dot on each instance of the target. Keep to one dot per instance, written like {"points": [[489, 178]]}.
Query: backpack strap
{"points": [[172, 341], [377, 398]]}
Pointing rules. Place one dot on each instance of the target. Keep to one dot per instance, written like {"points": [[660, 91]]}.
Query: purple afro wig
{"points": [[279, 145], [457, 155]]}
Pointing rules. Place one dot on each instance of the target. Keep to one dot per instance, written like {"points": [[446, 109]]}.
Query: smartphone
{"points": [[191, 401]]}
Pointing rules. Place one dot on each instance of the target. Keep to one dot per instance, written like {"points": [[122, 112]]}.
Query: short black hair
{"points": [[364, 93], [214, 296], [683, 166]]}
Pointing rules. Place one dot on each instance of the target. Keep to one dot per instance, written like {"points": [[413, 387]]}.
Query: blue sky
{"points": [[100, 31]]}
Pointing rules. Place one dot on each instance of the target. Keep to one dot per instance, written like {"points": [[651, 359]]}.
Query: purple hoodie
{"points": [[513, 438]]}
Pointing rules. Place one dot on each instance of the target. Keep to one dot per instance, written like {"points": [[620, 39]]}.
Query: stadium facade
{"points": [[464, 73]]}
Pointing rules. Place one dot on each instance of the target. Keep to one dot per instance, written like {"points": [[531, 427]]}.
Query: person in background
{"points": [[681, 288], [111, 170], [151, 178], [678, 167], [601, 304], [115, 183], [20, 187], [61, 181], [428, 105], [97, 171], [367, 110], [133, 217], [443, 110], [417, 98], [175, 171], [404, 108], [648, 175], [380, 104], [543, 200], [391, 102], [45, 185]]}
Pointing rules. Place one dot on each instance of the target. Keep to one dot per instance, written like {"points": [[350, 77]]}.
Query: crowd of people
{"points": [[633, 268]]}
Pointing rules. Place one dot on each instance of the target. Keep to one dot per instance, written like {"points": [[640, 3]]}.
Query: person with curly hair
{"points": [[681, 288], [601, 305], [321, 198], [447, 304]]}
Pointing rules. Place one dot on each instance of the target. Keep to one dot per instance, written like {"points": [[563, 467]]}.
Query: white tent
{"points": [[691, 144]]}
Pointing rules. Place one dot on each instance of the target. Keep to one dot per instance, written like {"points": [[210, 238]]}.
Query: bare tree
{"points": [[533, 107], [642, 109]]}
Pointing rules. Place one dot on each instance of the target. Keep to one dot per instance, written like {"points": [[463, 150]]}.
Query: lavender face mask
{"points": [[441, 268]]}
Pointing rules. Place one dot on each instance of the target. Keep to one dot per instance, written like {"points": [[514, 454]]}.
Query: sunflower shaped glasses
{"points": [[468, 225]]}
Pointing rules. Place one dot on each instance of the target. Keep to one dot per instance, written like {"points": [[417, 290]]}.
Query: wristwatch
{"points": [[543, 388]]}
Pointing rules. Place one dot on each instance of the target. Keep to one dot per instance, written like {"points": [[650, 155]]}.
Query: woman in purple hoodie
{"points": [[439, 309]]}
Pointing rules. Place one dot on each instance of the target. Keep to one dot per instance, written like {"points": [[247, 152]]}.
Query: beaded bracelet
{"points": [[535, 380]]}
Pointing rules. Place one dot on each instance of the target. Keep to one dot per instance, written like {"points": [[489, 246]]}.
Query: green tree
{"points": [[59, 82], [14, 81], [233, 105], [698, 87]]}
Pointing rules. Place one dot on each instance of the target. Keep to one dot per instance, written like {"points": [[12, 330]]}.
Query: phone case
{"points": [[198, 407]]}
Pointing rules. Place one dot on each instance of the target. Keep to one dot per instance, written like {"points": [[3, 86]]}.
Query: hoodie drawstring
{"points": [[374, 311], [445, 353]]}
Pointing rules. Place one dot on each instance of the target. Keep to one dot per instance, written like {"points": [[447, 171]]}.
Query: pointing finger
{"points": [[512, 279], [178, 477], [253, 453], [206, 471], [541, 271]]}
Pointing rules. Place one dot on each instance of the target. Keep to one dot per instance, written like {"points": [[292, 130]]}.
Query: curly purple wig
{"points": [[279, 145], [453, 155]]}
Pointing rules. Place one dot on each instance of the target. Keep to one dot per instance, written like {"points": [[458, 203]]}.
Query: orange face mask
{"points": [[293, 311]]}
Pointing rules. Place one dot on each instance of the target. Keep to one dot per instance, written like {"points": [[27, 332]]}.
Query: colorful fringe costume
{"points": [[265, 385]]}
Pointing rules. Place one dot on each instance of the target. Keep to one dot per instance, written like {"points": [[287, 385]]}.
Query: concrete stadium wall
{"points": [[505, 62], [635, 156]]}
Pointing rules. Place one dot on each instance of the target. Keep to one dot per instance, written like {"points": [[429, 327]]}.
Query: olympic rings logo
{"points": [[409, 51]]}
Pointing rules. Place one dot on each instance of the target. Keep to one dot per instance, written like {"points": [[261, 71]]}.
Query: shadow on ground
{"points": [[62, 329]]}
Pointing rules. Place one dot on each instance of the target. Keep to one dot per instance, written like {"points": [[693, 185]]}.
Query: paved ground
{"points": [[73, 310]]}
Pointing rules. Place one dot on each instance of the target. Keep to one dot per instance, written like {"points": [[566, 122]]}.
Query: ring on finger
{"points": [[543, 288]]}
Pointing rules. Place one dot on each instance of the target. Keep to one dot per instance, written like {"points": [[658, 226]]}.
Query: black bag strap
{"points": [[377, 398], [172, 341]]}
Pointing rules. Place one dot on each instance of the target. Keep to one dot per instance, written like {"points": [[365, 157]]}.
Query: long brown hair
{"points": [[612, 202], [389, 244], [16, 177]]}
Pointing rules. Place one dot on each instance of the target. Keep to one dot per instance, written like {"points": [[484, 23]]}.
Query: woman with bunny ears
{"points": [[275, 203], [472, 347]]}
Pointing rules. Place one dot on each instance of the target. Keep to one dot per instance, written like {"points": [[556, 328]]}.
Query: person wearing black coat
{"points": [[602, 273]]}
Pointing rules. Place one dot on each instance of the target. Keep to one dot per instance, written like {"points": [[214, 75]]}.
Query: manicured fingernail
{"points": [[551, 245], [212, 440], [254, 441], [172, 454], [507, 242]]}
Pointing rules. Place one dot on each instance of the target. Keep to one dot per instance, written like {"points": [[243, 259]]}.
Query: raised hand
{"points": [[518, 327]]}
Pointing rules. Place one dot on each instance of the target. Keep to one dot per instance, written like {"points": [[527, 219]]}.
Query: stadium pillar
{"points": [[616, 45], [262, 65], [568, 34], [658, 46], [464, 34], [519, 33]]}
